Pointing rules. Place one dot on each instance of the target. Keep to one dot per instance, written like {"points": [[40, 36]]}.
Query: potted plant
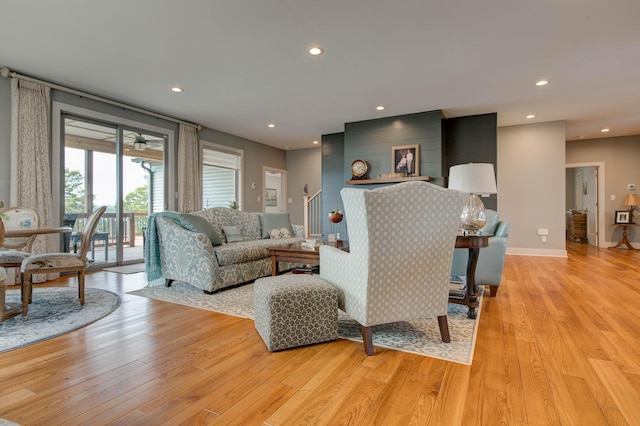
{"points": [[335, 216]]}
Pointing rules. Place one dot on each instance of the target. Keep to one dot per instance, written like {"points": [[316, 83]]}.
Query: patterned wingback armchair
{"points": [[491, 259], [401, 241]]}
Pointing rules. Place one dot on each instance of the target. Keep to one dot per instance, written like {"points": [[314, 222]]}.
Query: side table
{"points": [[474, 243], [625, 239]]}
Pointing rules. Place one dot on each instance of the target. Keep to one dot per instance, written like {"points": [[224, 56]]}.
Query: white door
{"points": [[592, 205]]}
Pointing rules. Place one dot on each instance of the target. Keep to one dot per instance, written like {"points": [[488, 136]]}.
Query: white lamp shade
{"points": [[473, 178]]}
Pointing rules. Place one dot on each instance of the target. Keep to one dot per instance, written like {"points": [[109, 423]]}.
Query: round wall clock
{"points": [[359, 169]]}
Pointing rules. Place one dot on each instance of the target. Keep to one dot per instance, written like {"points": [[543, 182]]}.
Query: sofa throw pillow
{"points": [[277, 234], [202, 226], [269, 221], [232, 233]]}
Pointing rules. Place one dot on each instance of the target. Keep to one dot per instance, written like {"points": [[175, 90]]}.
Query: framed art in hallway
{"points": [[271, 197], [406, 160], [622, 216]]}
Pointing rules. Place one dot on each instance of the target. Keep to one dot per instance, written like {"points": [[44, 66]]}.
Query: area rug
{"points": [[127, 269], [54, 311], [420, 337]]}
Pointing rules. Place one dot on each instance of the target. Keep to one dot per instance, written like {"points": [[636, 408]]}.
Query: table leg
{"points": [[625, 240], [274, 266], [474, 252]]}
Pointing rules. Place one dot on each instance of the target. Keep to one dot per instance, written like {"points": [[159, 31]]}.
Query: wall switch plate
{"points": [[543, 232], [613, 197]]}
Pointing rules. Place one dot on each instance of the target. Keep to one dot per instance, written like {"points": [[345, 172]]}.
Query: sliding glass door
{"points": [[122, 168]]}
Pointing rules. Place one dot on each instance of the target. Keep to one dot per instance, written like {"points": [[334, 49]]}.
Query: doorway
{"points": [[274, 186], [584, 196]]}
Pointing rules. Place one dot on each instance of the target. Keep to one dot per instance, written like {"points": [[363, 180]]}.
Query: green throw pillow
{"points": [[202, 226], [232, 233], [269, 221]]}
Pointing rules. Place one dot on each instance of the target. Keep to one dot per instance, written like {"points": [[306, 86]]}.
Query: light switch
{"points": [[290, 200], [258, 198], [613, 197]]}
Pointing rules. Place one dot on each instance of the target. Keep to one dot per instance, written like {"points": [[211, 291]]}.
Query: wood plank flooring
{"points": [[558, 345]]}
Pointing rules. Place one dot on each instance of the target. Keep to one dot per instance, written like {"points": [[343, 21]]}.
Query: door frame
{"points": [[57, 139], [283, 183], [599, 165]]}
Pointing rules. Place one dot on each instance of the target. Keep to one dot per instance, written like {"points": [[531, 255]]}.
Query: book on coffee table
{"points": [[458, 287]]}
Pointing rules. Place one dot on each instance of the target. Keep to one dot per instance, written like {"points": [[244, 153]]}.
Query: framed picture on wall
{"points": [[270, 197], [406, 159], [622, 216]]}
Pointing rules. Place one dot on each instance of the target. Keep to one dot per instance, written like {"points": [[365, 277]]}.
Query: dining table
{"points": [[12, 308]]}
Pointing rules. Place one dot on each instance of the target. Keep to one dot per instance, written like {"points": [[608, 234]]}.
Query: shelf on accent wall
{"points": [[387, 180]]}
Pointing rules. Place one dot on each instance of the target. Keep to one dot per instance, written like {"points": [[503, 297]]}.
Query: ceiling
{"points": [[244, 64]]}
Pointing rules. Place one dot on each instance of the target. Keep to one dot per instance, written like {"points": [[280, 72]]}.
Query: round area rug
{"points": [[54, 311]]}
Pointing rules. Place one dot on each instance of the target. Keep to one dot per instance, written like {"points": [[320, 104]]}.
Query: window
{"points": [[221, 175]]}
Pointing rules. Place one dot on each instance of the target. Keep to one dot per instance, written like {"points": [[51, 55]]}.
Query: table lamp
{"points": [[631, 200], [473, 178]]}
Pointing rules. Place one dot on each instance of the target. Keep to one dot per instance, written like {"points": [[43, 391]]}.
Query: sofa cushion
{"points": [[201, 225], [269, 221], [276, 234], [232, 234], [230, 254]]}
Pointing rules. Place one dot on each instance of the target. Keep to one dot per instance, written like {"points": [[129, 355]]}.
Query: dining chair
{"points": [[15, 250], [3, 276], [60, 262]]}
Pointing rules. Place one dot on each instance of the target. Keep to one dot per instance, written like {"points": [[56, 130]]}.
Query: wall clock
{"points": [[359, 169]]}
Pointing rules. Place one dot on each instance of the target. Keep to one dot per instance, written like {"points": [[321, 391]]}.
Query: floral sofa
{"points": [[215, 248]]}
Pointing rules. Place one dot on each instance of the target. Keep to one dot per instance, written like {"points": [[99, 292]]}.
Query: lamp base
{"points": [[473, 216]]}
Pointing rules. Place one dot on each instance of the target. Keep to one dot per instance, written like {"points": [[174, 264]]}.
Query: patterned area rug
{"points": [[54, 311], [421, 337]]}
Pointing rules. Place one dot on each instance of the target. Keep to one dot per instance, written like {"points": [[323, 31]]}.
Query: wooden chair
{"points": [[15, 250], [4, 309], [60, 262]]}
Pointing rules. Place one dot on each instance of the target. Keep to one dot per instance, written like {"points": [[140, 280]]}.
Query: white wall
{"points": [[531, 186]]}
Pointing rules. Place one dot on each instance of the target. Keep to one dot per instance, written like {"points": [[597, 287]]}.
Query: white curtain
{"points": [[189, 180], [30, 172]]}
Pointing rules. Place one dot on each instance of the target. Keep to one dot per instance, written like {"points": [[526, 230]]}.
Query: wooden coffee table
{"points": [[293, 253]]}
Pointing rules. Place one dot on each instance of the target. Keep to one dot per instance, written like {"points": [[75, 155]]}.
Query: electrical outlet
{"points": [[543, 232], [631, 187]]}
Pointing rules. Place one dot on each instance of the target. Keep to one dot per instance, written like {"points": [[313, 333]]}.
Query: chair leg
{"points": [[367, 339], [3, 301], [444, 328], [26, 292], [494, 290], [81, 286]]}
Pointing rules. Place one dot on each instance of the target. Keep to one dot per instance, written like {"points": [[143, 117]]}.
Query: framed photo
{"points": [[622, 216], [270, 197], [406, 160]]}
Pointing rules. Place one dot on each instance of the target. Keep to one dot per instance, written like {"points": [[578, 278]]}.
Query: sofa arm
{"points": [[490, 262], [186, 255]]}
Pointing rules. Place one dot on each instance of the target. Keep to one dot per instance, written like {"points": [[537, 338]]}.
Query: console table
{"points": [[474, 243], [625, 240]]}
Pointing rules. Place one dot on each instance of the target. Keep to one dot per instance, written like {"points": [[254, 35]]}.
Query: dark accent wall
{"points": [[471, 139], [443, 143]]}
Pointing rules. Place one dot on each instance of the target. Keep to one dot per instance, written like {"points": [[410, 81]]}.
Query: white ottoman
{"points": [[295, 310]]}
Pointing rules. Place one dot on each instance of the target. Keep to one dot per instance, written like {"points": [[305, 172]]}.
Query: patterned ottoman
{"points": [[295, 310]]}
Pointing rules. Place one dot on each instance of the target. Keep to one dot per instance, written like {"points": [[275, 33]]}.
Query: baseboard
{"points": [[536, 252]]}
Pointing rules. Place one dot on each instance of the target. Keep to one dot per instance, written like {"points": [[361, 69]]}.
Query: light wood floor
{"points": [[560, 344]]}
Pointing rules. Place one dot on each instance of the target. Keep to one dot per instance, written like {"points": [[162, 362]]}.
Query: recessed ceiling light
{"points": [[176, 89], [605, 130], [271, 125], [315, 142], [380, 108], [531, 116], [542, 83], [315, 51]]}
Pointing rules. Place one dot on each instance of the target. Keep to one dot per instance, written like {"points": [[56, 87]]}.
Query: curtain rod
{"points": [[6, 72]]}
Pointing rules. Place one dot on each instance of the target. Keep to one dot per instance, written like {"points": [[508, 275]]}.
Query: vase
{"points": [[335, 217]]}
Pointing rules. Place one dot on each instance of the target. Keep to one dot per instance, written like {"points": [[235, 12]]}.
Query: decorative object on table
{"points": [[406, 160], [270, 197], [630, 200], [420, 336], [60, 262], [474, 179], [359, 169], [234, 205], [397, 269], [335, 217], [55, 311], [622, 217]]}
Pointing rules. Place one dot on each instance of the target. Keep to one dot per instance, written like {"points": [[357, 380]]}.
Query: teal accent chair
{"points": [[490, 259]]}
